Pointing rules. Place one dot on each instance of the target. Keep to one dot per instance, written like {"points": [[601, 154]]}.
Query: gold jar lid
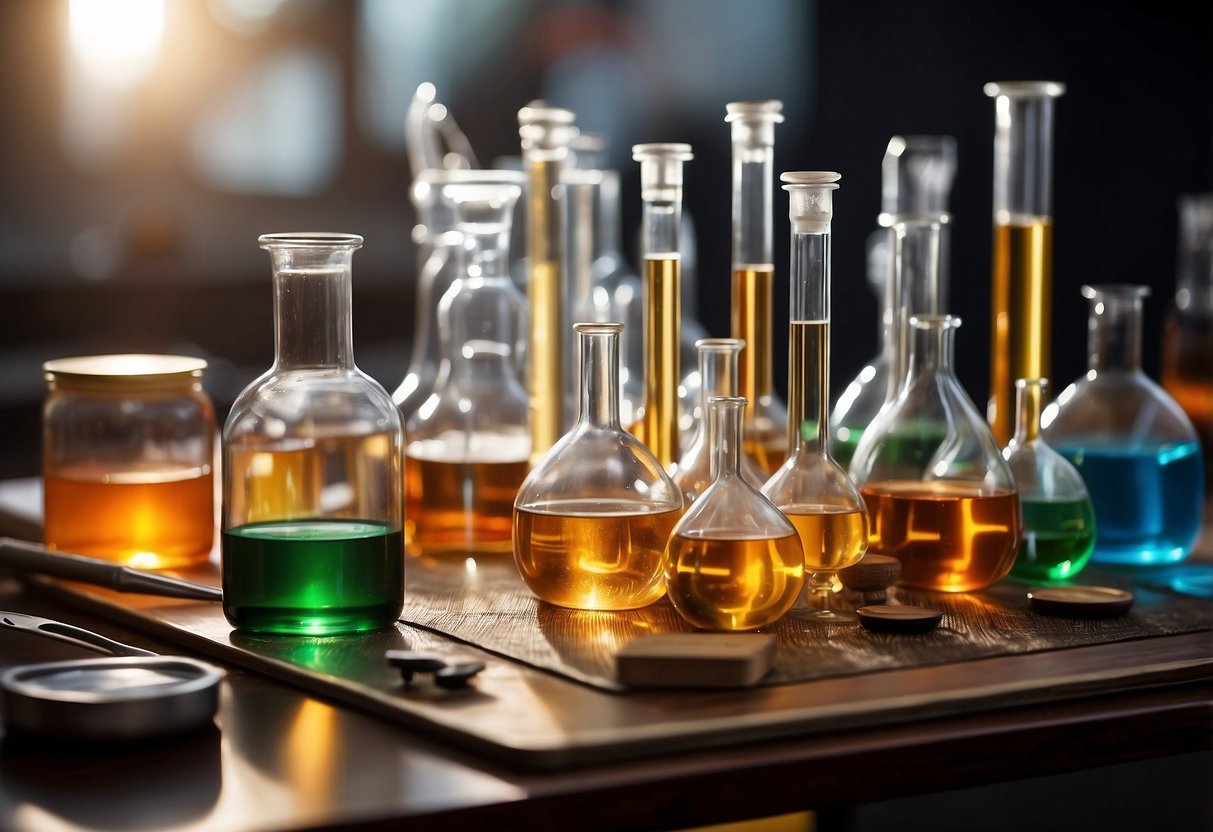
{"points": [[124, 371]]}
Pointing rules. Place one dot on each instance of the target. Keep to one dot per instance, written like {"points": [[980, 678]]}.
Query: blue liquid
{"points": [[1147, 499]]}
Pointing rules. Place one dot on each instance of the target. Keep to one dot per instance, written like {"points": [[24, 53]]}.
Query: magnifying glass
{"points": [[133, 694]]}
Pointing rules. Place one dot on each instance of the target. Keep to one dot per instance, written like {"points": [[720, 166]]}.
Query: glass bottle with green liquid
{"points": [[312, 478], [1058, 515]]}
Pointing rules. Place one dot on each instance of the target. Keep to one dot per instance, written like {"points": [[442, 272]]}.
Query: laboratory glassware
{"points": [[718, 369], [592, 519], [810, 488], [1058, 516], [468, 446], [733, 562], [623, 293], [127, 459], [940, 497], [753, 135], [661, 191], [312, 538], [1133, 445], [1021, 320]]}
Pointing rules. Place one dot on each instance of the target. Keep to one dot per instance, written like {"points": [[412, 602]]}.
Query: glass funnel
{"points": [[468, 445], [1187, 362], [733, 562], [1133, 445], [591, 521], [1058, 516], [940, 496], [312, 502], [810, 488], [718, 369]]}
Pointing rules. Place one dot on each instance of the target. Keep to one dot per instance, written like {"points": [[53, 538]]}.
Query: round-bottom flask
{"points": [[733, 562], [592, 519]]}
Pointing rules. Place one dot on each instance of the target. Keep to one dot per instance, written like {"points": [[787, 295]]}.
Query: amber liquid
{"points": [[592, 561], [1022, 315], [949, 536], [1187, 374], [727, 583], [458, 506], [833, 538], [545, 353], [808, 361], [152, 519], [765, 440], [658, 425]]}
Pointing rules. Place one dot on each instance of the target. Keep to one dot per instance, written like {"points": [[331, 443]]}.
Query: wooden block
{"points": [[708, 660]]}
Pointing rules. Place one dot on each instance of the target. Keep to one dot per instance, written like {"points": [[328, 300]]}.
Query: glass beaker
{"points": [[733, 562], [718, 369], [312, 504], [591, 521], [468, 446], [1133, 445], [661, 190], [753, 135], [810, 488], [940, 496], [1058, 516], [1187, 354], [1021, 324], [128, 446]]}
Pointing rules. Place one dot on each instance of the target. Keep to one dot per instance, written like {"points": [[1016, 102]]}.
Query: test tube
{"points": [[661, 192], [1022, 287]]}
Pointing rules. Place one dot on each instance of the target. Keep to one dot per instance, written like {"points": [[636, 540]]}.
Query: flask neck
{"points": [[486, 253], [717, 372], [808, 370], [1194, 274], [1114, 341], [724, 435], [932, 343], [312, 308], [599, 377], [916, 284], [753, 168], [609, 220], [1029, 402]]}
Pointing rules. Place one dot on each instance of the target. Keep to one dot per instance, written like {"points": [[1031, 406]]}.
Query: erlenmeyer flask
{"points": [[1132, 443], [940, 496], [468, 445], [1058, 517], [810, 488], [718, 369], [734, 562], [591, 521]]}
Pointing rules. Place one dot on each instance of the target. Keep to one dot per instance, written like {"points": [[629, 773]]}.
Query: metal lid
{"points": [[123, 370]]}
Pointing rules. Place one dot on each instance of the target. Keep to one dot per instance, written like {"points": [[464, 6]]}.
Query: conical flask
{"points": [[468, 444], [940, 496], [734, 562], [1058, 516], [1133, 445], [718, 369], [312, 538], [810, 488], [591, 521]]}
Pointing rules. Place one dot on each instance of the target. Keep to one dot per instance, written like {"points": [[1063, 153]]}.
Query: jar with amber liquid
{"points": [[128, 448]]}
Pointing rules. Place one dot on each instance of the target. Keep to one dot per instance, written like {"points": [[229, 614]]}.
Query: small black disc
{"points": [[1080, 601], [898, 618]]}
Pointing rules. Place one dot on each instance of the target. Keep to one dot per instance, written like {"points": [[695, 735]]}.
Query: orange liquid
{"points": [[833, 538], [766, 433], [947, 535], [572, 558], [733, 583], [658, 425], [158, 519]]}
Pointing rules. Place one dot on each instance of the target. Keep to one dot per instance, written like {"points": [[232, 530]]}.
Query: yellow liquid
{"points": [[765, 439], [658, 426], [833, 538], [808, 349], [572, 558], [725, 583], [545, 355], [1022, 315]]}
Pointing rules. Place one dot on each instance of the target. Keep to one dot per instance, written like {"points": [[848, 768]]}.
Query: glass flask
{"points": [[916, 180], [1021, 321], [546, 133], [312, 540], [661, 191], [733, 562], [591, 521], [718, 369], [940, 496], [1187, 355], [753, 134], [1133, 445], [810, 488], [128, 447], [468, 446], [1058, 516]]}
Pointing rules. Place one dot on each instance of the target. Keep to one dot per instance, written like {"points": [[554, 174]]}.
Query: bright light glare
{"points": [[116, 40]]}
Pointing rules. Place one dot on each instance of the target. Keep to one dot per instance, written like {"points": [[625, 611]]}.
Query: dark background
{"points": [[1134, 131]]}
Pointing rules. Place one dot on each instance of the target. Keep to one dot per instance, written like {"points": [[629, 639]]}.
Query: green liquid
{"points": [[1058, 539], [313, 576]]}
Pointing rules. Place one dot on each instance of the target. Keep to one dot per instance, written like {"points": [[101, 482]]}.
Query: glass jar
{"points": [[128, 448]]}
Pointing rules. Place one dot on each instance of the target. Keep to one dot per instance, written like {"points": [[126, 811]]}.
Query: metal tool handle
{"points": [[58, 631]]}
